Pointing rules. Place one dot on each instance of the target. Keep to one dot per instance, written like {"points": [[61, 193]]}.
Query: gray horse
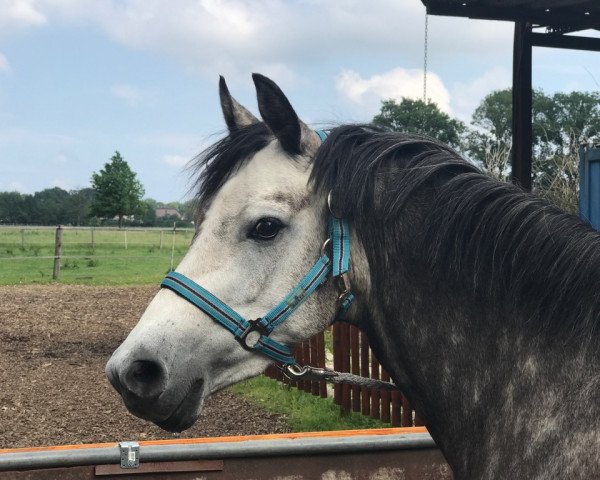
{"points": [[479, 299]]}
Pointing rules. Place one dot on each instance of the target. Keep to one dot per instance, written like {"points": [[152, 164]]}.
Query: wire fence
{"points": [[105, 255]]}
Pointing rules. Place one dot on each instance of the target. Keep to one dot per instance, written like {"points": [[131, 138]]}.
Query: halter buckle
{"points": [[254, 326]]}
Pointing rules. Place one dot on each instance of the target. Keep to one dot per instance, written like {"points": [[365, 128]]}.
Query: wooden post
{"points": [[22, 239], [160, 247], [125, 232], [522, 102], [173, 248], [57, 252], [93, 239]]}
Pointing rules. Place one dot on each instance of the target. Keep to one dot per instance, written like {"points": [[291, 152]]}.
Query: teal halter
{"points": [[242, 329]]}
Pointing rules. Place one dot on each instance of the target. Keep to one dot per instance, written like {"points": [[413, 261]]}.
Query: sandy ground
{"points": [[54, 343]]}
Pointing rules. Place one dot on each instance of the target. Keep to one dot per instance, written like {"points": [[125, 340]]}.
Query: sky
{"points": [[80, 79]]}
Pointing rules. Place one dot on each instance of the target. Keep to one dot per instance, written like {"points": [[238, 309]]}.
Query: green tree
{"points": [[14, 207], [50, 207], [561, 122], [117, 190], [149, 216], [79, 206], [416, 116]]}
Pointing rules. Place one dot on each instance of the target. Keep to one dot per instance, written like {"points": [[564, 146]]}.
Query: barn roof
{"points": [[557, 15]]}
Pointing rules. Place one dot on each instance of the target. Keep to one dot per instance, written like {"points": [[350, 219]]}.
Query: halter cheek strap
{"points": [[254, 334]]}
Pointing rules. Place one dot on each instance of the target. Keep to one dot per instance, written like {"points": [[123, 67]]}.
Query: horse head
{"points": [[260, 228]]}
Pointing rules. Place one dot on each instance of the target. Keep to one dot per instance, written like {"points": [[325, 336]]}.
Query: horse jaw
{"points": [[193, 355]]}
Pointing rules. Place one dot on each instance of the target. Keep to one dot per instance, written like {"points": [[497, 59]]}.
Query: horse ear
{"points": [[236, 116], [277, 112]]}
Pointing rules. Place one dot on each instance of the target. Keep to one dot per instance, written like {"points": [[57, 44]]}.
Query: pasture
{"points": [[94, 256]]}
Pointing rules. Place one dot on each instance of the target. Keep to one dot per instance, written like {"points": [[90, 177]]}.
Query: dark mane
{"points": [[217, 163], [516, 252]]}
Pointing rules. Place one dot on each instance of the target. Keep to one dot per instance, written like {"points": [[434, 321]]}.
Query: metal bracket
{"points": [[130, 454]]}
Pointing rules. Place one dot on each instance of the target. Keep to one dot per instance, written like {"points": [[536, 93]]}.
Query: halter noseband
{"points": [[254, 334]]}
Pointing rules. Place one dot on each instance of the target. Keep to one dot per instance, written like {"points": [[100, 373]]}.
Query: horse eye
{"points": [[266, 229]]}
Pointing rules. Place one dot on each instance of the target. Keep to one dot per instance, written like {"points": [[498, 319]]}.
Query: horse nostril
{"points": [[145, 378], [145, 371]]}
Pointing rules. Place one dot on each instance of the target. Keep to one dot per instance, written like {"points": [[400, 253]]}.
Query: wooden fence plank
{"points": [[407, 418], [306, 360], [385, 398], [337, 361], [314, 359], [374, 392], [396, 409], [345, 345], [365, 372], [322, 357], [355, 366]]}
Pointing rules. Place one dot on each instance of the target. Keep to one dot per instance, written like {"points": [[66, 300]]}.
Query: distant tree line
{"points": [[55, 206], [114, 199]]}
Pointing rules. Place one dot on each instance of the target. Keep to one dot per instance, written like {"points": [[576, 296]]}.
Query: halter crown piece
{"points": [[253, 335]]}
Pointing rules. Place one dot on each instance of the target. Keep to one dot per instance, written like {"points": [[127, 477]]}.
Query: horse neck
{"points": [[474, 374]]}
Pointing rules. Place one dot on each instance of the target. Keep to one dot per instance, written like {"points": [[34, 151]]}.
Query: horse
{"points": [[480, 299]]}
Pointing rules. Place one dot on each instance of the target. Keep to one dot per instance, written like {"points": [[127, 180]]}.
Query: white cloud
{"points": [[175, 160], [395, 84], [467, 96], [14, 186], [238, 36], [16, 14], [62, 183], [132, 95], [4, 65]]}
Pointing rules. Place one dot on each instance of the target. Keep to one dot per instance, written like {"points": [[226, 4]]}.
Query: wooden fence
{"points": [[351, 353]]}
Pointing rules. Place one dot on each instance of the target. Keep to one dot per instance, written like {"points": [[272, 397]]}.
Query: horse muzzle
{"points": [[144, 385]]}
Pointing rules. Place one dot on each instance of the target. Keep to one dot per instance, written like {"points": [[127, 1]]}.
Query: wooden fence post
{"points": [[22, 239], [173, 247], [57, 252], [93, 240], [160, 247]]}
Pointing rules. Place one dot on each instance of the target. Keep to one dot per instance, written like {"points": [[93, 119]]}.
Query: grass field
{"points": [[304, 412], [90, 256]]}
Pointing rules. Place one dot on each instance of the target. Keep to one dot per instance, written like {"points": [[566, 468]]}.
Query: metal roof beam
{"points": [[561, 18], [572, 42]]}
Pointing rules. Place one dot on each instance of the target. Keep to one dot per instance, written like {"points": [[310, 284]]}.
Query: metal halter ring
{"points": [[345, 286], [329, 205], [326, 246], [254, 326]]}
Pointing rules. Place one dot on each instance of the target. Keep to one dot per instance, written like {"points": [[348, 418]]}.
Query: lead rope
{"points": [[314, 374]]}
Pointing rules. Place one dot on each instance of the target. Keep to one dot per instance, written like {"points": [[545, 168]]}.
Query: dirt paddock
{"points": [[54, 343]]}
